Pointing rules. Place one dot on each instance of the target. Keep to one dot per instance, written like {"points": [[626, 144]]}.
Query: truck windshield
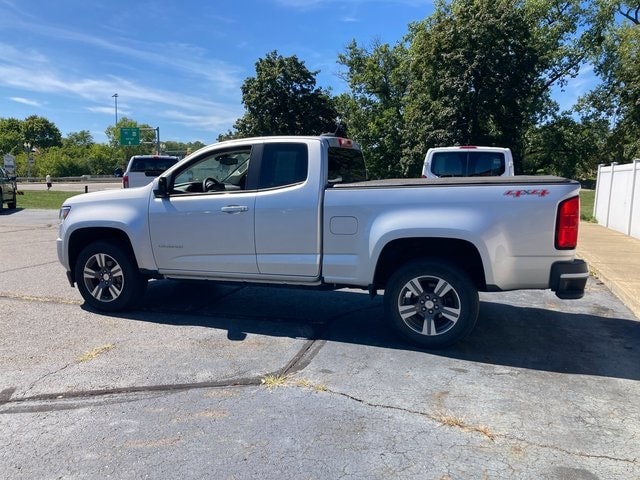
{"points": [[346, 165]]}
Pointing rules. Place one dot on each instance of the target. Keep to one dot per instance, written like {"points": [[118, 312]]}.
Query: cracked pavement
{"points": [[228, 381]]}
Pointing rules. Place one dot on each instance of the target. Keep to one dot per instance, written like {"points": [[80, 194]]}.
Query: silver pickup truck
{"points": [[299, 211]]}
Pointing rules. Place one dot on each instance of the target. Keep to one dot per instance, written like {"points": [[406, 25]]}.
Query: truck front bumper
{"points": [[568, 279]]}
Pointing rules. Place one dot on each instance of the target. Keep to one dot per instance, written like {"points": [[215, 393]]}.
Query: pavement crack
{"points": [[51, 401], [634, 461], [46, 375], [26, 267], [303, 358], [444, 420], [481, 429], [33, 298]]}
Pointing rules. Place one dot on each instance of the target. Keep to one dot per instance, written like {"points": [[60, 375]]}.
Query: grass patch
{"points": [[304, 383], [457, 422], [48, 200], [274, 381], [587, 200], [95, 352]]}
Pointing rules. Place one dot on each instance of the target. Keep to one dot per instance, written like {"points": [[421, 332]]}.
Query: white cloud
{"points": [[206, 121], [26, 101]]}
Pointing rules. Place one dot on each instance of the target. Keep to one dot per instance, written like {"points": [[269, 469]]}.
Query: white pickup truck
{"points": [[299, 211]]}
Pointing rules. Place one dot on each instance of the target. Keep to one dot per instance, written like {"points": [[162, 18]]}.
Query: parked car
{"points": [[468, 161], [142, 169], [8, 189]]}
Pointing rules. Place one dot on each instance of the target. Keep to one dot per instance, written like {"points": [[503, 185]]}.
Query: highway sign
{"points": [[129, 136]]}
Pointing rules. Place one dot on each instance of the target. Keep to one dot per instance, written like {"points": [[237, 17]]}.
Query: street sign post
{"points": [[9, 163], [129, 136]]}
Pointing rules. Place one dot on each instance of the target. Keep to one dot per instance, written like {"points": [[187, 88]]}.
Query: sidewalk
{"points": [[615, 259]]}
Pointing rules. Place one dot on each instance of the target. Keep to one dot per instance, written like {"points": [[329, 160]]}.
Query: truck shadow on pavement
{"points": [[523, 337]]}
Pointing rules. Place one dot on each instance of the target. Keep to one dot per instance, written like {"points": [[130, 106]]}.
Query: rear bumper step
{"points": [[569, 279]]}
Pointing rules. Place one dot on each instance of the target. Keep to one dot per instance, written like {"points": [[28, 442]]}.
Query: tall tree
{"points": [[11, 138], [40, 132], [567, 147], [282, 99], [373, 111], [617, 98], [83, 138], [476, 78], [476, 71]]}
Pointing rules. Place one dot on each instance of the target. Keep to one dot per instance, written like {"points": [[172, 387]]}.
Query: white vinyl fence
{"points": [[617, 202]]}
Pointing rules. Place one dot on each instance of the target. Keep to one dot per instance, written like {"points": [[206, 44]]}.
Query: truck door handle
{"points": [[235, 209]]}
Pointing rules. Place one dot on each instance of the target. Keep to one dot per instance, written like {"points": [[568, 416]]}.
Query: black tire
{"points": [[108, 278], [431, 303], [13, 203]]}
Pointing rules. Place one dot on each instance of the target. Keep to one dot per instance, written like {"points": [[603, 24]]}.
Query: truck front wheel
{"points": [[431, 303], [107, 277]]}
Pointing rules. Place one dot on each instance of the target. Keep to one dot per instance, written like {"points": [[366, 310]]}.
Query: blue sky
{"points": [[176, 65]]}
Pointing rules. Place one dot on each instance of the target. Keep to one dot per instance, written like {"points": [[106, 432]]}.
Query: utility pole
{"points": [[115, 97]]}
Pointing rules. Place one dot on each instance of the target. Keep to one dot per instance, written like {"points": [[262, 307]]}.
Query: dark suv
{"points": [[7, 190]]}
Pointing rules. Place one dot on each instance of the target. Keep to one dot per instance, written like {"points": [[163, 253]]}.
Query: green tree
{"points": [[617, 98], [373, 111], [82, 138], [567, 147], [282, 99], [11, 139], [477, 77], [40, 132], [101, 159], [59, 162], [474, 72], [181, 149]]}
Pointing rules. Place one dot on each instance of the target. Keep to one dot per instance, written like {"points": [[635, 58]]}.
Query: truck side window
{"points": [[346, 165], [283, 164]]}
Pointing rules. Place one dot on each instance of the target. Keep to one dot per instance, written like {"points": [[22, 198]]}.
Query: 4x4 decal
{"points": [[521, 193]]}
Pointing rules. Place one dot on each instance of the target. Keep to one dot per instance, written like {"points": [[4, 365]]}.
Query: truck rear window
{"points": [[468, 164], [152, 163], [346, 165]]}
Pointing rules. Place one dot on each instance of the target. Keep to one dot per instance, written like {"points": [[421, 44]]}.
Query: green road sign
{"points": [[129, 136]]}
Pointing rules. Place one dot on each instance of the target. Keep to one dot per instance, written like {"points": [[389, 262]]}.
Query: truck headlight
{"points": [[64, 212]]}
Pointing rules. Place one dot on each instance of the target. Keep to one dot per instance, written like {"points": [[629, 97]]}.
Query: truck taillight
{"points": [[345, 142], [125, 181], [567, 224]]}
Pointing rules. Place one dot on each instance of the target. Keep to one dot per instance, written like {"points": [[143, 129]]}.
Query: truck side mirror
{"points": [[161, 191]]}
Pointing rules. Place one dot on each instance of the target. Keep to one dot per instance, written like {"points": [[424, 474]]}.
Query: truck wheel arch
{"points": [[107, 277], [84, 236], [459, 253]]}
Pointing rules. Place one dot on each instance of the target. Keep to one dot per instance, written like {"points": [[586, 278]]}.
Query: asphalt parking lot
{"points": [[234, 382]]}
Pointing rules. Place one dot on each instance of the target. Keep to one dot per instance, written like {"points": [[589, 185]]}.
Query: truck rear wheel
{"points": [[108, 278], [431, 303]]}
